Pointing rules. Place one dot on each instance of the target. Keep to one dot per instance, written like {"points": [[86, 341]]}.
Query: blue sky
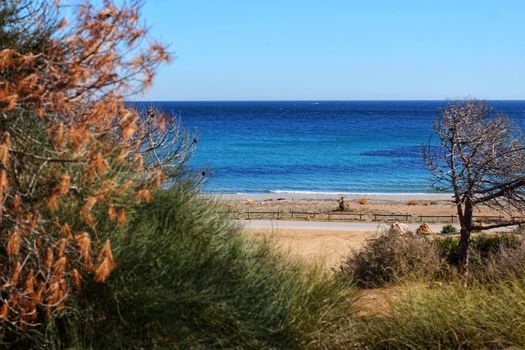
{"points": [[339, 49]]}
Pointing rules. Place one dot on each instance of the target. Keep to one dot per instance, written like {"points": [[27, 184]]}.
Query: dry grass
{"points": [[362, 201], [412, 202], [450, 316]]}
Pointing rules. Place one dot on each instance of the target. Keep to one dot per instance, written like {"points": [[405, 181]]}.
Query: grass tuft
{"points": [[187, 278], [447, 317]]}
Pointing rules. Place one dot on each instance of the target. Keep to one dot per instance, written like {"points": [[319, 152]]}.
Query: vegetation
{"points": [[448, 317], [391, 258], [480, 158], [433, 306], [74, 158], [186, 278], [449, 229], [93, 255]]}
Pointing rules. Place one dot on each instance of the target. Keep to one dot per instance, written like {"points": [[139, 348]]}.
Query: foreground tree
{"points": [[72, 152], [481, 159]]}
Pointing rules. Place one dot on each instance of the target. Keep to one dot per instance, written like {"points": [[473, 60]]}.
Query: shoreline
{"points": [[331, 196]]}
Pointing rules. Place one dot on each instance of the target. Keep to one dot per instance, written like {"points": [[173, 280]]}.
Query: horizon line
{"points": [[329, 100]]}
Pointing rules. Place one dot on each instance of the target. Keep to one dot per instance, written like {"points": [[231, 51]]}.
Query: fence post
{"points": [[291, 213], [329, 216], [406, 217], [248, 212]]}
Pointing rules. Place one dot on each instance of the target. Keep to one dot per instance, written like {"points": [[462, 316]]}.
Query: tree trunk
{"points": [[464, 250], [464, 239]]}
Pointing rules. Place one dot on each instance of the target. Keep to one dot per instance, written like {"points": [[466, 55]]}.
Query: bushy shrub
{"points": [[390, 258], [187, 278], [449, 229], [71, 147], [508, 263], [483, 247]]}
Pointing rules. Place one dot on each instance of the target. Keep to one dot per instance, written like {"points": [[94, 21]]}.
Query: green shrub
{"points": [[187, 278], [449, 229], [483, 247], [390, 258], [447, 317]]}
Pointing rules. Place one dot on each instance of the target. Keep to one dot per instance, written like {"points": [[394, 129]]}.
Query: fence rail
{"points": [[443, 218], [333, 215]]}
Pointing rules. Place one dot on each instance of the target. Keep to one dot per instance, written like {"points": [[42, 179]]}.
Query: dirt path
{"points": [[325, 226]]}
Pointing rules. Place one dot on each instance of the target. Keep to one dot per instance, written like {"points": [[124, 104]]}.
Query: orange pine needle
{"points": [[64, 185], [61, 247], [158, 178], [104, 270], [59, 135], [76, 278], [85, 210], [16, 273], [17, 204], [139, 162], [99, 163], [4, 311], [30, 282], [65, 231], [129, 130], [48, 259], [52, 202], [84, 245], [13, 245], [112, 213], [4, 154], [4, 184], [144, 195], [60, 264]]}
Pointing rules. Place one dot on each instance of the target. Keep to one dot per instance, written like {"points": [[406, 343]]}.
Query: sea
{"points": [[332, 147]]}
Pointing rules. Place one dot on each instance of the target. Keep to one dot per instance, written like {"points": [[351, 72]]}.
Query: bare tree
{"points": [[481, 159]]}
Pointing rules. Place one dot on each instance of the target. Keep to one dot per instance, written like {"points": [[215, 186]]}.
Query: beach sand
{"points": [[327, 248], [405, 204], [330, 246]]}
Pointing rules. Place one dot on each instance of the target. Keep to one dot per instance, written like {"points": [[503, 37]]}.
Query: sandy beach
{"points": [[367, 204]]}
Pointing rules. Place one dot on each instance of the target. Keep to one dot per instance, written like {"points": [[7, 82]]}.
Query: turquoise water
{"points": [[340, 147]]}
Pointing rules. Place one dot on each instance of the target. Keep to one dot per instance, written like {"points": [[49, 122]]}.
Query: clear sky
{"points": [[339, 49]]}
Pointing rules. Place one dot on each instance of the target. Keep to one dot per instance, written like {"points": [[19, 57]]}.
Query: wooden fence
{"points": [[347, 216]]}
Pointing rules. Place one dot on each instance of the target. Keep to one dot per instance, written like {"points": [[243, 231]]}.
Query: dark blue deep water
{"points": [[342, 147]]}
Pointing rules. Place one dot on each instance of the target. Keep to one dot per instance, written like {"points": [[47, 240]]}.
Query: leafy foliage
{"points": [[70, 148]]}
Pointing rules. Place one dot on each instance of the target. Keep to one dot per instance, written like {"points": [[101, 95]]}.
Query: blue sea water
{"points": [[308, 146]]}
